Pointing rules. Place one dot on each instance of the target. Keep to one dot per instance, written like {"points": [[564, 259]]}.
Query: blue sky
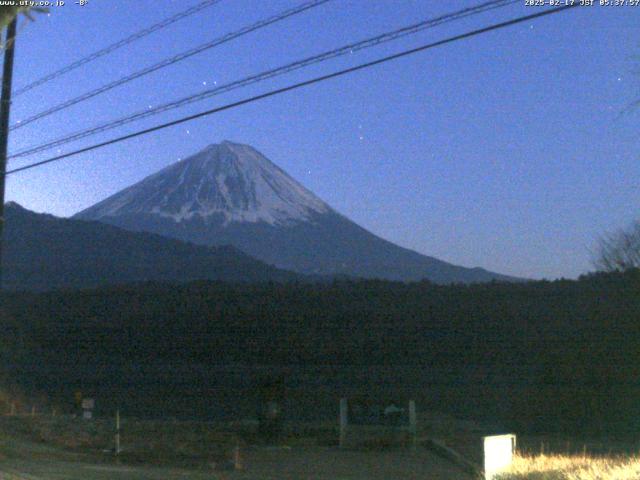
{"points": [[507, 151]]}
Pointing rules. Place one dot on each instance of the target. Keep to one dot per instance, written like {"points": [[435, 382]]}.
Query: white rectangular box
{"points": [[498, 454]]}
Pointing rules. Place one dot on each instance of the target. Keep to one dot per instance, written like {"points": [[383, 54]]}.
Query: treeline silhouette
{"points": [[561, 355]]}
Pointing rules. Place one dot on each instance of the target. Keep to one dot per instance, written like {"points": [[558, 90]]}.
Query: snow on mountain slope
{"points": [[229, 181], [230, 194]]}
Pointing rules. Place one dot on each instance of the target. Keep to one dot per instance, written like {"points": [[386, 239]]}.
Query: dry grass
{"points": [[573, 467]]}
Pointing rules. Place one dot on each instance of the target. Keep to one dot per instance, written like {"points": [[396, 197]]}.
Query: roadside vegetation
{"points": [[170, 443], [573, 467]]}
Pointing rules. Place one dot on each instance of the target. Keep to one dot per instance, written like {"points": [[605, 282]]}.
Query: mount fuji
{"points": [[231, 194]]}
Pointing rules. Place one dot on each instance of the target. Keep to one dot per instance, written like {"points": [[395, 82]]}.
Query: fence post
{"points": [[413, 422], [344, 420], [118, 432], [237, 458]]}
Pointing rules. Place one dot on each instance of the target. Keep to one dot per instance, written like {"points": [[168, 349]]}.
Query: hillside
{"points": [[44, 252]]}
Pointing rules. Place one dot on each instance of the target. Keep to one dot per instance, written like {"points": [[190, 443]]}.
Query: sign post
{"points": [[88, 405]]}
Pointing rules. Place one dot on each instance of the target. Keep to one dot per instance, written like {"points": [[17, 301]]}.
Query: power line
{"points": [[368, 43], [171, 60], [296, 86], [114, 46], [208, 93]]}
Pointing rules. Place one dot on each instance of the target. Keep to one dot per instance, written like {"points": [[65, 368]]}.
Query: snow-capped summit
{"points": [[230, 194], [223, 183]]}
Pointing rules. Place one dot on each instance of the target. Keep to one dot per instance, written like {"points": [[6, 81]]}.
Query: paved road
{"points": [[315, 463], [50, 470], [303, 463]]}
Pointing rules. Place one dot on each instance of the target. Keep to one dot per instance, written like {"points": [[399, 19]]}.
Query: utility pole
{"points": [[5, 107]]}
